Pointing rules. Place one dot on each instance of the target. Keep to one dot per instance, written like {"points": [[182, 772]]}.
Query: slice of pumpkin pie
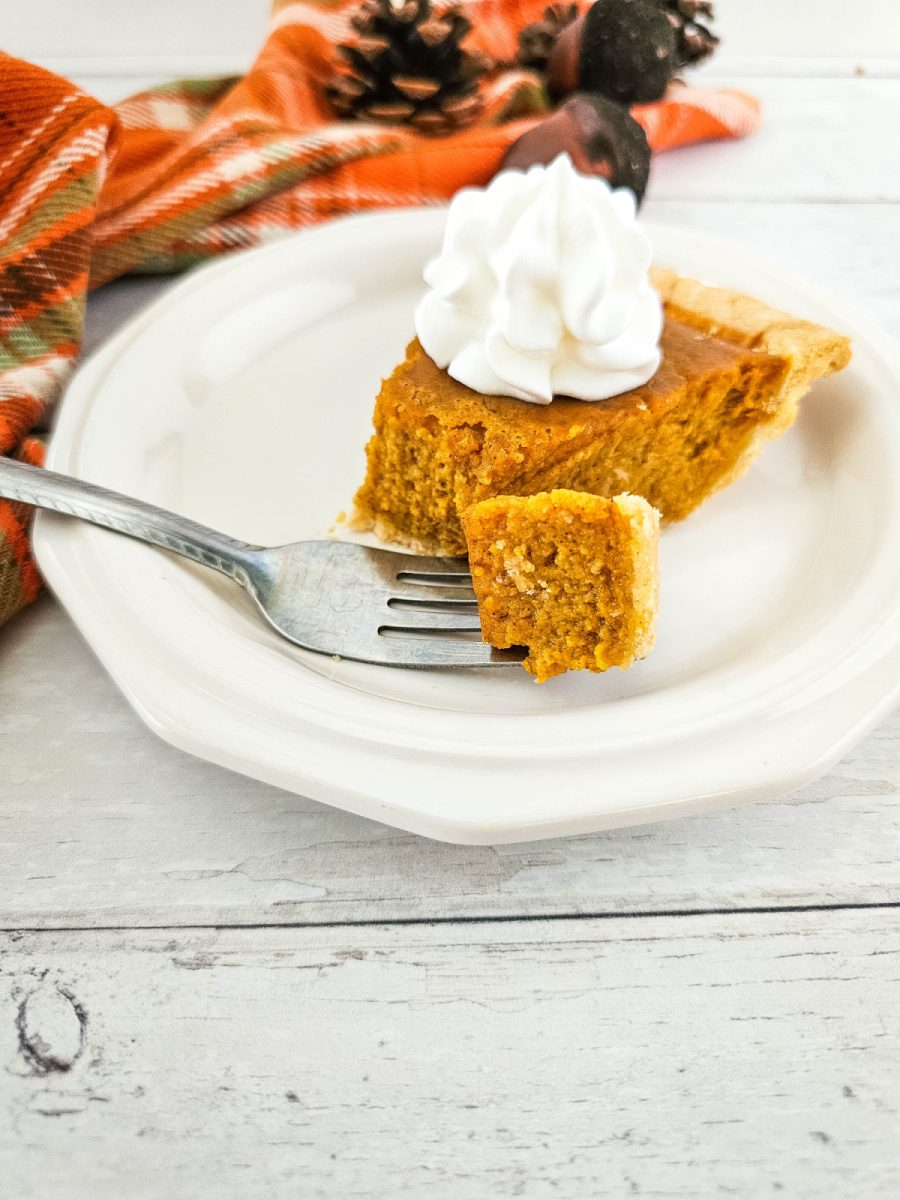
{"points": [[550, 355], [732, 372]]}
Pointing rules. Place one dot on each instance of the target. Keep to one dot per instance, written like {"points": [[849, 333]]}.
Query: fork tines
{"points": [[435, 597]]}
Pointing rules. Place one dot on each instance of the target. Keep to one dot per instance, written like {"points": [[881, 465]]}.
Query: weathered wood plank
{"points": [[103, 824], [669, 1057]]}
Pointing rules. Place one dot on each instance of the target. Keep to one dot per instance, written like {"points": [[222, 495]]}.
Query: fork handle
{"points": [[75, 498]]}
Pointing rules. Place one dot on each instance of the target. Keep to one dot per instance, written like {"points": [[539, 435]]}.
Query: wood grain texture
{"points": [[103, 824], [681, 1057]]}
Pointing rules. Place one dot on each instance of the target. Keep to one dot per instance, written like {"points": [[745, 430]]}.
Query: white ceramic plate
{"points": [[243, 399]]}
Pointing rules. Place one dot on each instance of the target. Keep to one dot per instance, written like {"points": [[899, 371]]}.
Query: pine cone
{"points": [[537, 39], [694, 41], [408, 66]]}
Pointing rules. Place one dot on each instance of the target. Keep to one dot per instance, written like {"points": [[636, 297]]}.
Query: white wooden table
{"points": [[211, 988]]}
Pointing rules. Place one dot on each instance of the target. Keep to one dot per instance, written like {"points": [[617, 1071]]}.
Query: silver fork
{"points": [[336, 598]]}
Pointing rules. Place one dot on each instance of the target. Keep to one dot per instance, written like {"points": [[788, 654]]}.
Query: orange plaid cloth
{"points": [[200, 167]]}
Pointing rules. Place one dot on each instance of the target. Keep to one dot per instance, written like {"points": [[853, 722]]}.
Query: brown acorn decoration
{"points": [[408, 66], [538, 39], [629, 50], [623, 49], [694, 40], [600, 136]]}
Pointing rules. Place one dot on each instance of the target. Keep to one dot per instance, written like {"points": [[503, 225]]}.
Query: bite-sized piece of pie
{"points": [[571, 576], [731, 374]]}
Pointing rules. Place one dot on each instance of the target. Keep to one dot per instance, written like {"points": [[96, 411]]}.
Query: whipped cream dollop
{"points": [[541, 289]]}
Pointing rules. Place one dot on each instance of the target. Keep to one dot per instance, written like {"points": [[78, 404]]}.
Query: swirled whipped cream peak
{"points": [[541, 289]]}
